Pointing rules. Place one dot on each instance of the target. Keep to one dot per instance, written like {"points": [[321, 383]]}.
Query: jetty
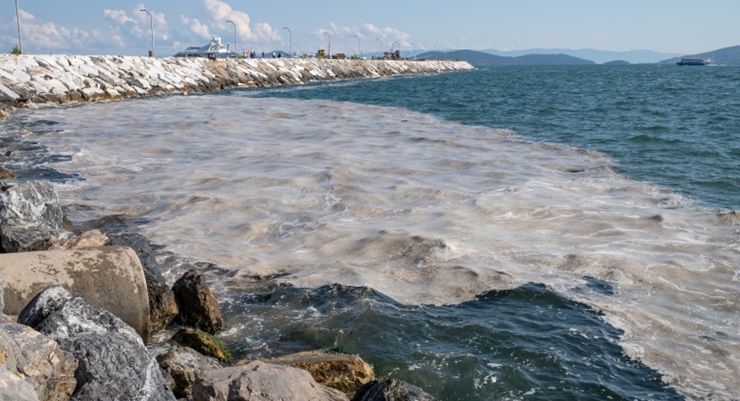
{"points": [[33, 80]]}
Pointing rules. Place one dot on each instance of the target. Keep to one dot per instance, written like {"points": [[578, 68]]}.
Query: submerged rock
{"points": [[113, 362], [30, 217], [6, 174], [391, 390], [260, 381], [203, 342], [197, 305]]}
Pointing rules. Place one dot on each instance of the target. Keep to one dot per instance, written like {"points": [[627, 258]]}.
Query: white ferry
{"points": [[212, 50], [693, 61]]}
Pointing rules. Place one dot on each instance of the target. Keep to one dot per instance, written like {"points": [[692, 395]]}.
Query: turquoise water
{"points": [[518, 233], [522, 344], [678, 127]]}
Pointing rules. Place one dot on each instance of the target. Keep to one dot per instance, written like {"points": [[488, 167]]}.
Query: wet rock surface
{"points": [[198, 306], [162, 305], [391, 390]]}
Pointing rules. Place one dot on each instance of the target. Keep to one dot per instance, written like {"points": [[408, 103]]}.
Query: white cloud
{"points": [[387, 34], [264, 31], [117, 16], [218, 12], [136, 25], [367, 31], [46, 36], [195, 26]]}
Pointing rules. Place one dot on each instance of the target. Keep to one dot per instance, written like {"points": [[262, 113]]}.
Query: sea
{"points": [[506, 233]]}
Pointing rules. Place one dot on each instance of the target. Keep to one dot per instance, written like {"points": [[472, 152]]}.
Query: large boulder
{"points": [[37, 360], [162, 305], [391, 390], [182, 366], [14, 388], [113, 362], [197, 304], [260, 381], [346, 373], [109, 277], [30, 217]]}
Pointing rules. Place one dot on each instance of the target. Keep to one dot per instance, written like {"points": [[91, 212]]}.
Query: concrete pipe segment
{"points": [[109, 278]]}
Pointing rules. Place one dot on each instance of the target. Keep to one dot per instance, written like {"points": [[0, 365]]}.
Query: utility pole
{"points": [[18, 21], [151, 28]]}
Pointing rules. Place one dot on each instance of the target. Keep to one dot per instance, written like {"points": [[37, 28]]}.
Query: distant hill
{"points": [[617, 62], [599, 56], [727, 55], [481, 58]]}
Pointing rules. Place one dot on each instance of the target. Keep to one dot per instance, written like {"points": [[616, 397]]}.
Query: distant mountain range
{"points": [[598, 56], [728, 55], [481, 58]]}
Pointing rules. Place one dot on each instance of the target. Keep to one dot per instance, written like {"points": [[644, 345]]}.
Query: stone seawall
{"points": [[27, 80]]}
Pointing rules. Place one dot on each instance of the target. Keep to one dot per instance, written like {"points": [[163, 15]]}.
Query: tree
{"points": [[15, 50]]}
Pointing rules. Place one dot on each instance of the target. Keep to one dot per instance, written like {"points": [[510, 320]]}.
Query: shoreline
{"points": [[29, 82], [34, 80]]}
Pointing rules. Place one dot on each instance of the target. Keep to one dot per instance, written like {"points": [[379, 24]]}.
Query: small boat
{"points": [[692, 61], [212, 50]]}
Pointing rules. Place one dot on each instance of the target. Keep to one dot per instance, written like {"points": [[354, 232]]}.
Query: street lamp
{"points": [[18, 20], [235, 46], [151, 27], [359, 46], [291, 40], [381, 48], [329, 36]]}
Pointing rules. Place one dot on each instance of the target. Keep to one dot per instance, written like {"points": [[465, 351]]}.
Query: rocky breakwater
{"points": [[27, 80]]}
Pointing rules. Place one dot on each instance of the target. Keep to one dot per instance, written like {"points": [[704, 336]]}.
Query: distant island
{"points": [[724, 56]]}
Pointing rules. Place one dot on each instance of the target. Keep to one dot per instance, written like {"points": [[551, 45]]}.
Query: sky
{"points": [[119, 27]]}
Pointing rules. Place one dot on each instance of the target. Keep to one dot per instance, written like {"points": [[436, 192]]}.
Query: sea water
{"points": [[538, 233]]}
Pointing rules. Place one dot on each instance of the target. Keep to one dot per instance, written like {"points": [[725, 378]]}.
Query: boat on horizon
{"points": [[693, 61], [213, 50]]}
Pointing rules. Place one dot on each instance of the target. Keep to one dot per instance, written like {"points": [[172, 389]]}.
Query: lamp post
{"points": [[359, 47], [291, 40], [381, 48], [151, 28], [236, 48], [18, 21], [329, 36]]}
